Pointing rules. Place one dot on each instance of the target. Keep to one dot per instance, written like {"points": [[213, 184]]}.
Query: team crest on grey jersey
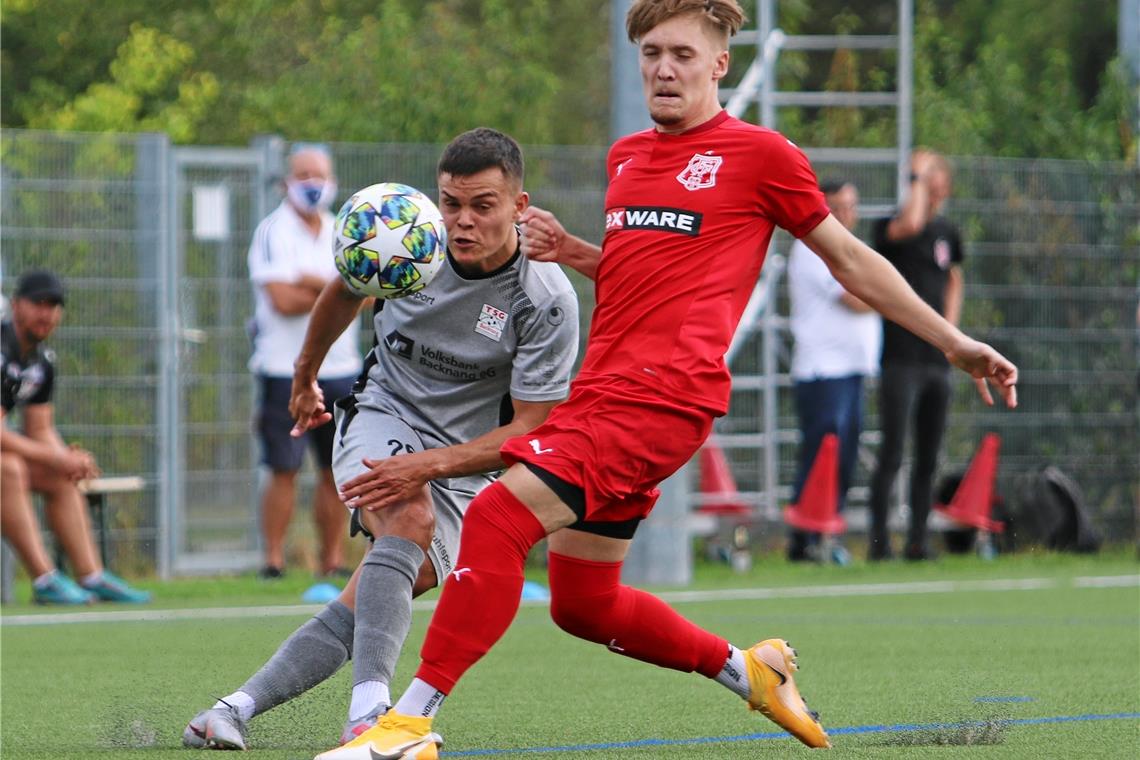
{"points": [[491, 322]]}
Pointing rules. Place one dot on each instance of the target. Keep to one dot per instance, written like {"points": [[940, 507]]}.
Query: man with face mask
{"points": [[290, 262]]}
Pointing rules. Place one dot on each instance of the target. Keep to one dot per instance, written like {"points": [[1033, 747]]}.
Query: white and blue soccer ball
{"points": [[389, 241]]}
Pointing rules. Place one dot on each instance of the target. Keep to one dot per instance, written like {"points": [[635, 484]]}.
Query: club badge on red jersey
{"points": [[700, 174]]}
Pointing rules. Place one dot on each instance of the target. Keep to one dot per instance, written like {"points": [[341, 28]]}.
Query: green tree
{"points": [[987, 82], [152, 88], [991, 77], [392, 71]]}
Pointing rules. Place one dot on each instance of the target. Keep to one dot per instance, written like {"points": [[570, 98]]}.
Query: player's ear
{"points": [[522, 201], [720, 67]]}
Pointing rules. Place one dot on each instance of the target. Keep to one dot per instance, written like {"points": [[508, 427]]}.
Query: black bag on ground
{"points": [[1051, 510]]}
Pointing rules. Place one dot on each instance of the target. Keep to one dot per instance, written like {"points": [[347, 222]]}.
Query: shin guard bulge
{"points": [[481, 595], [588, 600]]}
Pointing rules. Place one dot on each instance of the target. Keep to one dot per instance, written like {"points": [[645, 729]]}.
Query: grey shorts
{"points": [[364, 431]]}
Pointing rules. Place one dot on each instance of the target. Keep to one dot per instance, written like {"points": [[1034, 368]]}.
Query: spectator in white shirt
{"points": [[290, 261], [837, 344]]}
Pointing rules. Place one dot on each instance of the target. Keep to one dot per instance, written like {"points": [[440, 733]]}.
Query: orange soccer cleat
{"points": [[774, 693], [394, 737]]}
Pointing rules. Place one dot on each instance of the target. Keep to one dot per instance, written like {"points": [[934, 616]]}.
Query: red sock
{"points": [[588, 601], [481, 596]]}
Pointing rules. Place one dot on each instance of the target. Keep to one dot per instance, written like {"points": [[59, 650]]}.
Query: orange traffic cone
{"points": [[973, 500], [818, 508], [718, 487]]}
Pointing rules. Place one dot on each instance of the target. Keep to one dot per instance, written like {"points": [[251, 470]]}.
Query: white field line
{"points": [[1106, 581], [682, 597]]}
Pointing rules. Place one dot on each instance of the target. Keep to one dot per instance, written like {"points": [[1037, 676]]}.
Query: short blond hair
{"points": [[725, 17]]}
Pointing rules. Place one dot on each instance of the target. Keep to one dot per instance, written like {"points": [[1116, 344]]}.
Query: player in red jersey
{"points": [[690, 209]]}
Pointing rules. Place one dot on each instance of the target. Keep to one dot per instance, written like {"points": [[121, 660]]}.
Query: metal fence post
{"points": [[770, 406], [152, 250], [159, 168], [662, 549]]}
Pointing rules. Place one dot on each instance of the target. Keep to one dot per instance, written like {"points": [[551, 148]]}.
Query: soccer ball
{"points": [[389, 241]]}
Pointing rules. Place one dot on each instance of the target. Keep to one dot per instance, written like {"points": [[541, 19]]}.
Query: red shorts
{"points": [[616, 440]]}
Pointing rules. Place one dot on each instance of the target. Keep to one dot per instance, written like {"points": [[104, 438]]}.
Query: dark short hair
{"points": [[833, 185], [480, 149]]}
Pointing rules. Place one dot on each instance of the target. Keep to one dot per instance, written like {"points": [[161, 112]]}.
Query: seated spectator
{"points": [[35, 458]]}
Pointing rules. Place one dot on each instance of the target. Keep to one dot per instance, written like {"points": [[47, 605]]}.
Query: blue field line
{"points": [[843, 731]]}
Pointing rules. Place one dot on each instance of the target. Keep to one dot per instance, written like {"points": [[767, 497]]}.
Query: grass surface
{"points": [[126, 689]]}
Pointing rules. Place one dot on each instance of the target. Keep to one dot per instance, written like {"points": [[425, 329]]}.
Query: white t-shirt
{"points": [[832, 341], [283, 249]]}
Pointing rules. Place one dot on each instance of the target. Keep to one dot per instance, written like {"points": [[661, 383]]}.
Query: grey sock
{"points": [[310, 655], [384, 607]]}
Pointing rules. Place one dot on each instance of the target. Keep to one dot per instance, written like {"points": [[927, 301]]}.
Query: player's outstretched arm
{"points": [[394, 479], [871, 278], [334, 311], [545, 239]]}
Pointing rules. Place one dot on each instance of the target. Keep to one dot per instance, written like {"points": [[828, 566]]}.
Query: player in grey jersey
{"points": [[480, 355]]}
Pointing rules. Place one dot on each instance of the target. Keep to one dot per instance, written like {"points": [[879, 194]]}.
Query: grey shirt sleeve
{"points": [[546, 353]]}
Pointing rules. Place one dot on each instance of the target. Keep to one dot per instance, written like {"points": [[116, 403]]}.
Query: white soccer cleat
{"points": [[354, 727], [216, 728]]}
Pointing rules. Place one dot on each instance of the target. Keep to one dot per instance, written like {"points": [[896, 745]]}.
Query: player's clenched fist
{"points": [[542, 234]]}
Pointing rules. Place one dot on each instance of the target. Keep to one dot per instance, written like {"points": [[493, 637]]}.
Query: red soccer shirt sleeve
{"points": [[789, 190]]}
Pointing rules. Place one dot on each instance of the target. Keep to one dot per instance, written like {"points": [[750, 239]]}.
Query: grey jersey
{"points": [[450, 356]]}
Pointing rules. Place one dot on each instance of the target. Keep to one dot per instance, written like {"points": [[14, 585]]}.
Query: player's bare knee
{"points": [[60, 491], [15, 470], [426, 580], [414, 521]]}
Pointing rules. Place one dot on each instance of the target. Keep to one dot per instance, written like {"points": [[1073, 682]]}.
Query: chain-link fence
{"points": [[152, 351]]}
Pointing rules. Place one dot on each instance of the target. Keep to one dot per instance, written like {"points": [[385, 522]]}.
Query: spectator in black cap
{"points": [[35, 458], [40, 286]]}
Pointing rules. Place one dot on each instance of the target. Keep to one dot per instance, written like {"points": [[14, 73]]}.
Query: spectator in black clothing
{"points": [[35, 458], [915, 385]]}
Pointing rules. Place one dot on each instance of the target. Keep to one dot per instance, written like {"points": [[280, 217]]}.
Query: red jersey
{"points": [[688, 220]]}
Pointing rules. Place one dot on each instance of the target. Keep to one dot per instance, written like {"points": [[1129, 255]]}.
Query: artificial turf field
{"points": [[908, 661]]}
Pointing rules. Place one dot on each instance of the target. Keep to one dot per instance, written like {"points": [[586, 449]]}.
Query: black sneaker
{"points": [[336, 574], [918, 553], [880, 551], [880, 554], [271, 573]]}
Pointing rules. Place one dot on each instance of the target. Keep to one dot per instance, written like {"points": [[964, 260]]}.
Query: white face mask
{"points": [[311, 194]]}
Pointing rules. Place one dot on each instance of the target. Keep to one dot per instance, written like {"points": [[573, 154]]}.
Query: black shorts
{"points": [[280, 451], [575, 498]]}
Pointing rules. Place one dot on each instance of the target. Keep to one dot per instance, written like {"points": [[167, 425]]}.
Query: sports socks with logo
{"points": [[481, 596], [384, 614], [310, 655], [734, 674], [421, 700]]}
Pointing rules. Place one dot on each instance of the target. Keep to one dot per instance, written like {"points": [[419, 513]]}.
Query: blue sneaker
{"points": [[112, 588], [61, 590]]}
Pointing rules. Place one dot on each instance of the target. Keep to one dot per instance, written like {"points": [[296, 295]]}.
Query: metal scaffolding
{"points": [[759, 86]]}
